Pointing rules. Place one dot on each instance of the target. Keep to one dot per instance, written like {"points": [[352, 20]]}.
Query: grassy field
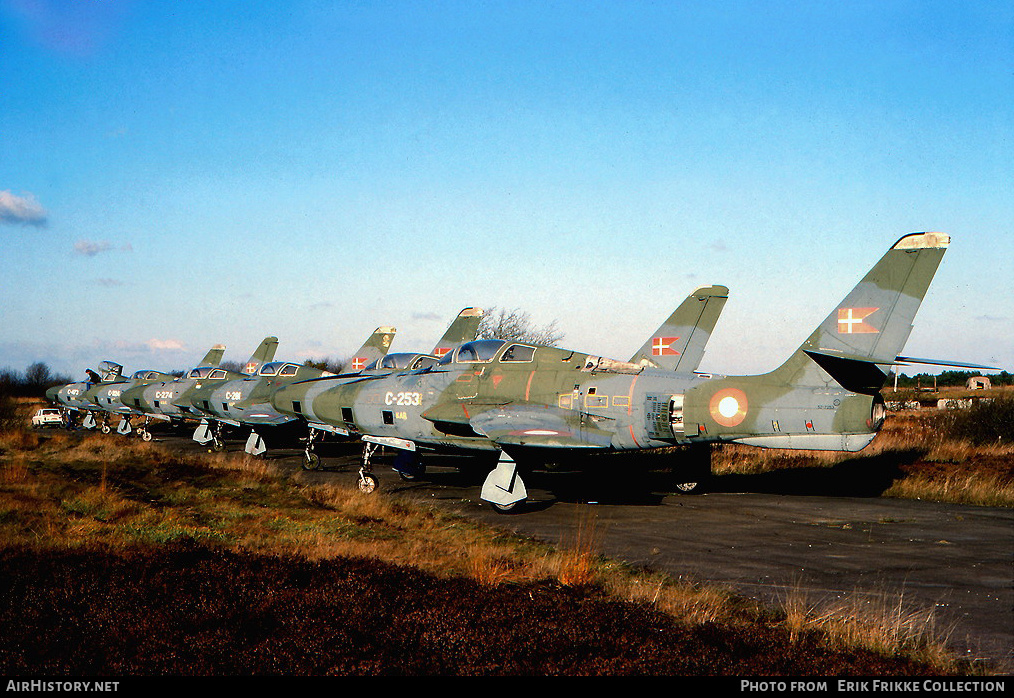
{"points": [[915, 456], [121, 557]]}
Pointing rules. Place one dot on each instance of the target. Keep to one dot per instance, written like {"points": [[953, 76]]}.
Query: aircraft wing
{"points": [[535, 426]]}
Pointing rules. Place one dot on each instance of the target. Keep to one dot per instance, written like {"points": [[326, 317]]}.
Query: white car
{"points": [[47, 417]]}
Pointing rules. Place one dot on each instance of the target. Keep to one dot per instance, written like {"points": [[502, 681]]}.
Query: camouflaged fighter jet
{"points": [[107, 398], [530, 402], [289, 399], [137, 403], [75, 397], [246, 401], [170, 400], [678, 342]]}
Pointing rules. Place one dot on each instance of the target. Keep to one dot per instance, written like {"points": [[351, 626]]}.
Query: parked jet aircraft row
{"points": [[522, 404]]}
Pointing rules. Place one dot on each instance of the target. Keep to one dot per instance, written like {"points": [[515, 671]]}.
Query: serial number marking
{"points": [[402, 398]]}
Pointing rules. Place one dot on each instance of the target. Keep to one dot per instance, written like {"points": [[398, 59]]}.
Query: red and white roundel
{"points": [[728, 406]]}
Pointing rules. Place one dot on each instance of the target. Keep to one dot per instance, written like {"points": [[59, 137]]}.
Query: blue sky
{"points": [[177, 175]]}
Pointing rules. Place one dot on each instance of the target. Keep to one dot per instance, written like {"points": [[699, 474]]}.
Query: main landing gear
{"points": [[311, 461], [368, 482], [205, 434]]}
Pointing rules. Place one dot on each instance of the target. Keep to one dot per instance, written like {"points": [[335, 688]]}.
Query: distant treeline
{"points": [[32, 383], [949, 379]]}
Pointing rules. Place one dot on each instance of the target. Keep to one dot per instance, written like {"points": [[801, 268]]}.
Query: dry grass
{"points": [[876, 621], [930, 464]]}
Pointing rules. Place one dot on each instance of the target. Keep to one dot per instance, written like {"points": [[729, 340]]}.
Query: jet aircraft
{"points": [[170, 400], [526, 402], [107, 399], [297, 398], [679, 341], [75, 397], [246, 401]]}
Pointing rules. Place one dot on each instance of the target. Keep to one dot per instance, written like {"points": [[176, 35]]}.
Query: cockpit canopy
{"points": [[146, 375], [480, 350], [403, 361], [207, 372], [279, 368]]}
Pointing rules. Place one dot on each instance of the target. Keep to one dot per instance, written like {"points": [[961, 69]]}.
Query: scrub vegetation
{"points": [[126, 558], [963, 456]]}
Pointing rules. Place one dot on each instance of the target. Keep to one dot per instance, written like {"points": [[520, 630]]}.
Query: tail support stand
{"points": [[503, 487], [255, 444]]}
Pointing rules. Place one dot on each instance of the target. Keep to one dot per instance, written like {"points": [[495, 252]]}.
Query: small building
{"points": [[978, 383]]}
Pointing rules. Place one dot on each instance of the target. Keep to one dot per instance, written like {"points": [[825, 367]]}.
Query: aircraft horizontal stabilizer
{"points": [[861, 374], [905, 360]]}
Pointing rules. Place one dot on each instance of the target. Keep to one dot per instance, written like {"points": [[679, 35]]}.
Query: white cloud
{"points": [[89, 248], [166, 345], [21, 209]]}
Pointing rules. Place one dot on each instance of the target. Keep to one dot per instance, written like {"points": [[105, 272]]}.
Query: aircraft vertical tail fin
{"points": [[214, 356], [463, 329], [374, 348], [870, 326], [678, 344], [263, 354]]}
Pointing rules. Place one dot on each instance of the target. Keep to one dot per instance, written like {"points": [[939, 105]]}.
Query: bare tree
{"points": [[516, 325], [38, 376], [327, 364]]}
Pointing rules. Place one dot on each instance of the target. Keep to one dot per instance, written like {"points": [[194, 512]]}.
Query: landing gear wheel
{"points": [[311, 461], [106, 429], [505, 508], [513, 507], [693, 482], [368, 483], [694, 473], [145, 436], [217, 446]]}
